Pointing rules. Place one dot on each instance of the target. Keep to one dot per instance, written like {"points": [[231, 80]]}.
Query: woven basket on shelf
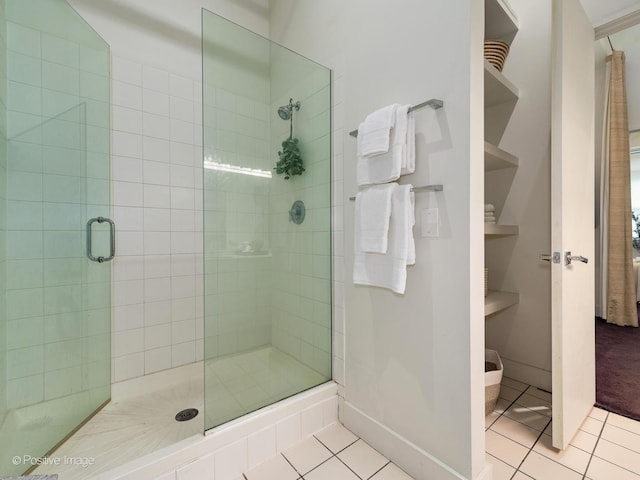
{"points": [[496, 51]]}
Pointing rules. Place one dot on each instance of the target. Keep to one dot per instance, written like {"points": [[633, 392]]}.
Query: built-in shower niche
{"points": [[267, 279]]}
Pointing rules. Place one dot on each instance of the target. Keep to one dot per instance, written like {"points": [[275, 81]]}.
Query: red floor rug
{"points": [[618, 369]]}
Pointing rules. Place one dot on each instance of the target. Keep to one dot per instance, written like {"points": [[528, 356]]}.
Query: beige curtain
{"points": [[621, 295]]}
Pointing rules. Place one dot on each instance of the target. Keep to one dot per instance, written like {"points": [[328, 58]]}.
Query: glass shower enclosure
{"points": [[55, 367], [267, 235]]}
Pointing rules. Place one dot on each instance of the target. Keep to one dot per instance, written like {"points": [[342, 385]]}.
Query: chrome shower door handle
{"points": [[112, 239]]}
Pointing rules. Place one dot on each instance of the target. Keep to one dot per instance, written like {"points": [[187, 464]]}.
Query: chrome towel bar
{"points": [[424, 188]]}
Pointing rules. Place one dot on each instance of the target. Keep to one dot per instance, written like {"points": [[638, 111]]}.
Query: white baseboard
{"points": [[411, 458], [526, 373]]}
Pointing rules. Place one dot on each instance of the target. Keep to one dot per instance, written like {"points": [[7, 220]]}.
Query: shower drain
{"points": [[186, 414]]}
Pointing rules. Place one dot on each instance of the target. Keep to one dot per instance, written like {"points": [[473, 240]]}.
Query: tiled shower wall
{"points": [[237, 286], [157, 206], [301, 300]]}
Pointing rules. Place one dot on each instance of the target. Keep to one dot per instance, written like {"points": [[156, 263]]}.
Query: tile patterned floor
{"points": [[518, 441], [334, 453], [518, 445]]}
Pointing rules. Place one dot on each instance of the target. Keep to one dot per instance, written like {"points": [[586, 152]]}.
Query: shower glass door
{"points": [[267, 236], [55, 315]]}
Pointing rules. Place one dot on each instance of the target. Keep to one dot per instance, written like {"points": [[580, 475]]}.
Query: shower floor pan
{"points": [[133, 427]]}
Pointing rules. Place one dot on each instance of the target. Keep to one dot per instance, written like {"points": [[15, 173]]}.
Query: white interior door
{"points": [[572, 218]]}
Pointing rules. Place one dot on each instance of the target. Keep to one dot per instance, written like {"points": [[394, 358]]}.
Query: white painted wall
{"points": [[413, 363], [522, 334]]}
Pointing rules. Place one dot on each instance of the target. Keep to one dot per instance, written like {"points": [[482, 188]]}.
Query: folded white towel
{"points": [[490, 222], [488, 207], [409, 157], [489, 214], [491, 218], [372, 212], [389, 270], [374, 132], [387, 167]]}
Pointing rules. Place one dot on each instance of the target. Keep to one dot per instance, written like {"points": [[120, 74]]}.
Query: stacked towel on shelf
{"points": [[389, 270], [489, 213], [399, 159]]}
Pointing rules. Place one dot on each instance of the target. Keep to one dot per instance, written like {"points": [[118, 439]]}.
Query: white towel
{"points": [[488, 207], [374, 133], [390, 270], [387, 167], [409, 160], [372, 212]]}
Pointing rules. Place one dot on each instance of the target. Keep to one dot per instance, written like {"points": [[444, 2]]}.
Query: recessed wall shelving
{"points": [[496, 159], [496, 301], [498, 89], [500, 230], [500, 24]]}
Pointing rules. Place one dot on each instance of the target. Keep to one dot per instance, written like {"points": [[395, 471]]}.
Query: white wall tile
{"points": [[128, 218], [157, 266], [180, 87], [261, 446], [183, 353], [129, 243], [155, 219], [182, 242], [156, 103], [155, 79], [126, 169], [182, 198], [127, 317], [127, 194], [127, 342], [182, 109], [182, 132], [157, 196], [128, 292], [182, 176], [126, 71], [126, 144], [157, 126], [157, 289], [183, 331], [157, 149], [156, 336], [126, 119], [311, 420], [157, 173], [157, 313], [288, 432], [201, 469], [126, 95], [231, 461], [157, 359], [128, 366], [157, 243], [129, 267]]}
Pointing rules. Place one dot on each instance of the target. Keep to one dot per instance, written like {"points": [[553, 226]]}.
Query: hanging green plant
{"points": [[290, 162]]}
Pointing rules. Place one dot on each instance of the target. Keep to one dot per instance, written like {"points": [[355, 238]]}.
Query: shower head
{"points": [[286, 111]]}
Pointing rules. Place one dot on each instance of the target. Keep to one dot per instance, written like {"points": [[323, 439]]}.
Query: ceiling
{"points": [[603, 11]]}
